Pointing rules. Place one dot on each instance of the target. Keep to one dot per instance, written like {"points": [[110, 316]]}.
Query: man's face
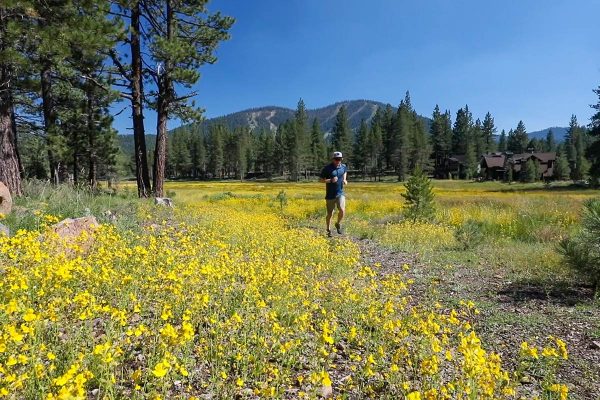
{"points": [[337, 161]]}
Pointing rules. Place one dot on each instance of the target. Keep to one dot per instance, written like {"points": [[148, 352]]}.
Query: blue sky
{"points": [[532, 60]]}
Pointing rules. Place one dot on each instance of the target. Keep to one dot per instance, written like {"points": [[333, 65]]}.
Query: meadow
{"points": [[237, 293]]}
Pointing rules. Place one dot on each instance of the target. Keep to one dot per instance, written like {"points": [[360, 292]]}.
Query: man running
{"points": [[334, 176]]}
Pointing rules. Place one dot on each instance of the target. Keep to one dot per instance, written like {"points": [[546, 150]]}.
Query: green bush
{"points": [[419, 197], [469, 235], [582, 250]]}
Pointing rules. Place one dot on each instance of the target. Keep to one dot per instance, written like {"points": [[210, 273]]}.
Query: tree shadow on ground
{"points": [[559, 293]]}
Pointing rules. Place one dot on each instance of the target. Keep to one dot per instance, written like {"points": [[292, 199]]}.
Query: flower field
{"points": [[234, 294]]}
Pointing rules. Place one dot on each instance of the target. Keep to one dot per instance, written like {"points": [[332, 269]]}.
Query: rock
{"points": [[71, 229], [4, 230], [326, 392], [596, 344], [163, 201], [5, 200]]}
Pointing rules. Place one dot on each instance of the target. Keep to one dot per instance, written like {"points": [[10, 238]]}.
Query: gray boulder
{"points": [[5, 200]]}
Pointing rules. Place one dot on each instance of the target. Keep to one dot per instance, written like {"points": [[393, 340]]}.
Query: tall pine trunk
{"points": [[49, 114], [10, 171], [92, 156], [160, 152], [165, 92], [139, 138]]}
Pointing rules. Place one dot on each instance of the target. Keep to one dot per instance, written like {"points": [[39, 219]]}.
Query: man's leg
{"points": [[341, 205], [330, 208]]}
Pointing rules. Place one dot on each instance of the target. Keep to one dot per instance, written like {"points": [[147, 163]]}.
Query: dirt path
{"points": [[510, 313]]}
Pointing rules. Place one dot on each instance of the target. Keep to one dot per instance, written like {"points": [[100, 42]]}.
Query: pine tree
{"points": [[404, 128], [374, 145], [216, 153], [388, 118], [360, 148], [299, 141], [419, 197], [582, 165], [266, 153], [561, 168], [502, 144], [570, 143], [488, 131], [241, 144], [437, 138], [279, 150], [129, 15], [550, 144], [478, 139], [447, 127], [318, 150], [531, 171], [511, 142], [463, 141], [593, 152], [180, 160], [460, 132], [10, 62], [33, 155], [421, 148], [534, 146], [342, 135], [182, 36], [197, 154], [520, 139], [510, 173], [441, 137], [292, 148]]}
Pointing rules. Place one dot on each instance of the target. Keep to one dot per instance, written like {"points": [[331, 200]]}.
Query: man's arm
{"points": [[345, 180], [324, 179], [328, 180]]}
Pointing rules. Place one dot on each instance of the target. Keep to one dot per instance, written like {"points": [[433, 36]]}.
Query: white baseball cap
{"points": [[337, 154]]}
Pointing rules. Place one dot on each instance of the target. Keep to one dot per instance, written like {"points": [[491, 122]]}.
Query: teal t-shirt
{"points": [[335, 189]]}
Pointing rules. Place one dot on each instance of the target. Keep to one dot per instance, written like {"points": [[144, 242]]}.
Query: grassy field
{"points": [[237, 293]]}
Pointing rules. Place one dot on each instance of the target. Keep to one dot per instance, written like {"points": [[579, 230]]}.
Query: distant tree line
{"points": [[394, 142], [64, 62]]}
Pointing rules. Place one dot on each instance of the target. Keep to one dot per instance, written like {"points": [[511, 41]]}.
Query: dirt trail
{"points": [[510, 313]]}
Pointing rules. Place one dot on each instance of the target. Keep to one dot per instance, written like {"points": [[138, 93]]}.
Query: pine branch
{"points": [[115, 59], [149, 16], [182, 98], [103, 87]]}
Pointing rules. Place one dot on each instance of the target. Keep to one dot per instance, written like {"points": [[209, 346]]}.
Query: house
{"points": [[546, 162], [496, 165], [493, 166], [454, 166]]}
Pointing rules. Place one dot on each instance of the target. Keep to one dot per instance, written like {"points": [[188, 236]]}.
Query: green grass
{"points": [[66, 201]]}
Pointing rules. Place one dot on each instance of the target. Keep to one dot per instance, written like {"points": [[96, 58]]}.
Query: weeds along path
{"points": [[509, 313]]}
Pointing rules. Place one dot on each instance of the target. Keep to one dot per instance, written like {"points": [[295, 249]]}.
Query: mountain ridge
{"points": [[269, 117]]}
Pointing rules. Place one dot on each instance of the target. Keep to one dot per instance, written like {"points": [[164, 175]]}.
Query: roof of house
{"points": [[494, 160], [543, 157], [459, 158]]}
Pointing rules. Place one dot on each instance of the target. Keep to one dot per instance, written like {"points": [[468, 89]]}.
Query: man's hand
{"points": [[334, 179], [345, 182]]}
